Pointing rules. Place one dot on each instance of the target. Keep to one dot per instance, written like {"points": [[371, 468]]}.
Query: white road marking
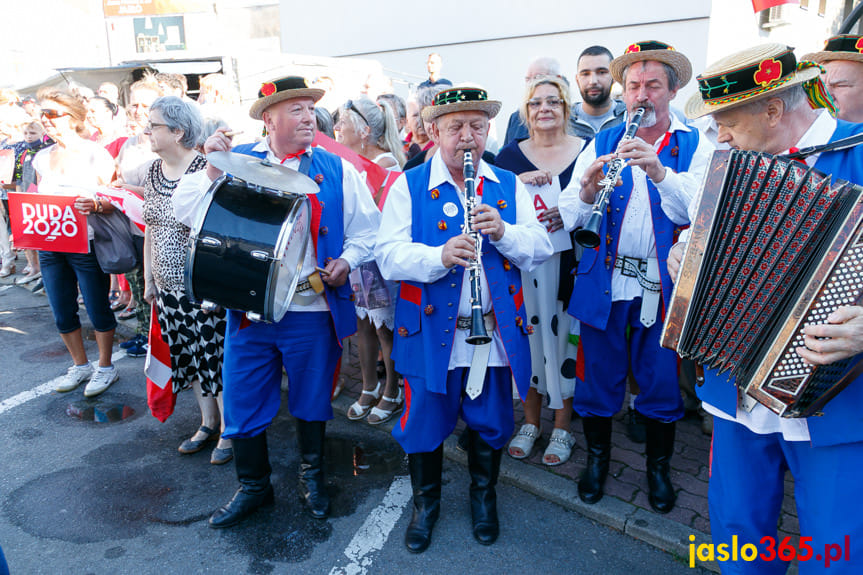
{"points": [[43, 389], [373, 533]]}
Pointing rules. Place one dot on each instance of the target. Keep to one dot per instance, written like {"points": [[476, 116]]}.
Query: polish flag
{"points": [[160, 390], [131, 203], [759, 5]]}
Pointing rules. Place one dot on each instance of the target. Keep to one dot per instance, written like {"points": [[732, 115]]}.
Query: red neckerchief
{"points": [[665, 141], [295, 155], [794, 150]]}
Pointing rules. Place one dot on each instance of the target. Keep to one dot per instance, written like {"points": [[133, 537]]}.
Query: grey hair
{"points": [[381, 120], [792, 98], [425, 95], [670, 73], [397, 103], [549, 65], [180, 117]]}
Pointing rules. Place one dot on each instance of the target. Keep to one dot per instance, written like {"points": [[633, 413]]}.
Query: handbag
{"points": [[113, 242]]}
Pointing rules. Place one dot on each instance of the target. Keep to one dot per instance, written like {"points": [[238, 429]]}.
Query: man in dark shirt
{"points": [[434, 65]]}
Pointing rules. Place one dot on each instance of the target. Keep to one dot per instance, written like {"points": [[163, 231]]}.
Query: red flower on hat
{"points": [[768, 71], [268, 89], [859, 45], [633, 48]]}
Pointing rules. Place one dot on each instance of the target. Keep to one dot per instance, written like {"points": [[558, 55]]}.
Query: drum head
{"points": [[259, 172], [290, 251]]}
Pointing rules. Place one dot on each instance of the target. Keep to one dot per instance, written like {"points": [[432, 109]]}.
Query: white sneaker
{"points": [[75, 376], [101, 381]]}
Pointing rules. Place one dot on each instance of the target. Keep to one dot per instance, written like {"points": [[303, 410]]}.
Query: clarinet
{"points": [[477, 335], [588, 236]]}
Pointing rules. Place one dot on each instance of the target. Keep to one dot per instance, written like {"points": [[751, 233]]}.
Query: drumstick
{"points": [[322, 270], [234, 133]]}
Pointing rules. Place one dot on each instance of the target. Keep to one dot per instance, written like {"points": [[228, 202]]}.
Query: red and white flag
{"points": [[160, 389], [759, 5]]}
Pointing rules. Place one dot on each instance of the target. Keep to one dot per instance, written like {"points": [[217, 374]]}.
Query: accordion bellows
{"points": [[775, 246]]}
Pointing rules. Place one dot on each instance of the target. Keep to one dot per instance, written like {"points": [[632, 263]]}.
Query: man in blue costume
{"points": [[623, 289], [306, 342], [768, 104], [421, 243]]}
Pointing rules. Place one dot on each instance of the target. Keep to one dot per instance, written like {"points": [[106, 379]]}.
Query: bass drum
{"points": [[246, 249]]}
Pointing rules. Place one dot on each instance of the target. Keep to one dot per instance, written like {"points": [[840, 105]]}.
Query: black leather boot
{"points": [[253, 471], [597, 432], [312, 486], [660, 448], [484, 466], [426, 471]]}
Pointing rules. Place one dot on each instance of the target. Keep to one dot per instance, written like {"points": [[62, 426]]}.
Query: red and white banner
{"points": [[759, 5], [129, 202], [48, 223], [378, 179]]}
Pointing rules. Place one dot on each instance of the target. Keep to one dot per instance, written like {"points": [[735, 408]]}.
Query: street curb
{"points": [[653, 529]]}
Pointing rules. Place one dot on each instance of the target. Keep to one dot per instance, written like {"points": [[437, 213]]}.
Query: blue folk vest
{"points": [[425, 316], [327, 230], [591, 299], [842, 421]]}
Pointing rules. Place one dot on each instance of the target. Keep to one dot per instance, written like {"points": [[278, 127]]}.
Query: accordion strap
{"points": [[842, 144]]}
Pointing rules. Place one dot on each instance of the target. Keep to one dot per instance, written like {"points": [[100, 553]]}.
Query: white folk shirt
{"points": [[761, 420], [361, 217], [525, 244], [636, 240]]}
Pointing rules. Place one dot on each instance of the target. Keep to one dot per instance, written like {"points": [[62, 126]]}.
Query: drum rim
{"points": [[281, 245]]}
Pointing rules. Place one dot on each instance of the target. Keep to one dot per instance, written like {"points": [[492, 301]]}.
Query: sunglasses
{"points": [[349, 105], [52, 114]]}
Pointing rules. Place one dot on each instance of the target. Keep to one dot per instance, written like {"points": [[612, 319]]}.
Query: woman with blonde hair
{"points": [[370, 130], [544, 163]]}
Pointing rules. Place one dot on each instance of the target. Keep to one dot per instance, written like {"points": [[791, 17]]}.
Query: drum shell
{"points": [[234, 253]]}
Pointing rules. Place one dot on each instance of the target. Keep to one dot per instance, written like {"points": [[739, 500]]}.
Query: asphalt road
{"points": [[97, 486]]}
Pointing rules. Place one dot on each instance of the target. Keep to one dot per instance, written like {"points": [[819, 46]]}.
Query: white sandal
{"points": [[382, 415], [559, 444], [357, 411], [523, 441]]}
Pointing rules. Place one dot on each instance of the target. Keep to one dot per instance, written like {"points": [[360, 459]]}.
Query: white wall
{"points": [[734, 27], [491, 42]]}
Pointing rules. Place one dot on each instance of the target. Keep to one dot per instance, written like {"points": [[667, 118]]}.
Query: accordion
{"points": [[775, 246]]}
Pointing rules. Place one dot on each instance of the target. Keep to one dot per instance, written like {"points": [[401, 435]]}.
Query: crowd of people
{"points": [[456, 242]]}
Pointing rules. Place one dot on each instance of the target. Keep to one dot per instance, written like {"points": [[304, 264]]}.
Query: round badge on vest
{"points": [[450, 209]]}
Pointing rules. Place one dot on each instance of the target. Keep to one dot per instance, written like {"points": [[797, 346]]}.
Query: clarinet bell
{"points": [[588, 236], [477, 335]]}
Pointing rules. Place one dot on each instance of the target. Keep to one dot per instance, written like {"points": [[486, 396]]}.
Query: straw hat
{"points": [[282, 89], [461, 99], [652, 50], [842, 47], [748, 75]]}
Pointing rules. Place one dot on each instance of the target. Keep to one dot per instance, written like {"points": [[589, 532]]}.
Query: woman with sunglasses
{"points": [[72, 166], [544, 162], [371, 131]]}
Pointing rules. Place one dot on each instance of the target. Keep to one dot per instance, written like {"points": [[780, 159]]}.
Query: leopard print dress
{"points": [[195, 338]]}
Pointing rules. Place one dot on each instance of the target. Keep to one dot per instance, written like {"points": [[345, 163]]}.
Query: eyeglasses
{"points": [[150, 125], [536, 103], [349, 105], [52, 114]]}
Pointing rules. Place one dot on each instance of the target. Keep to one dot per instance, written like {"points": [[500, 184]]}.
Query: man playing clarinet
{"points": [[422, 244], [763, 100], [622, 288]]}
